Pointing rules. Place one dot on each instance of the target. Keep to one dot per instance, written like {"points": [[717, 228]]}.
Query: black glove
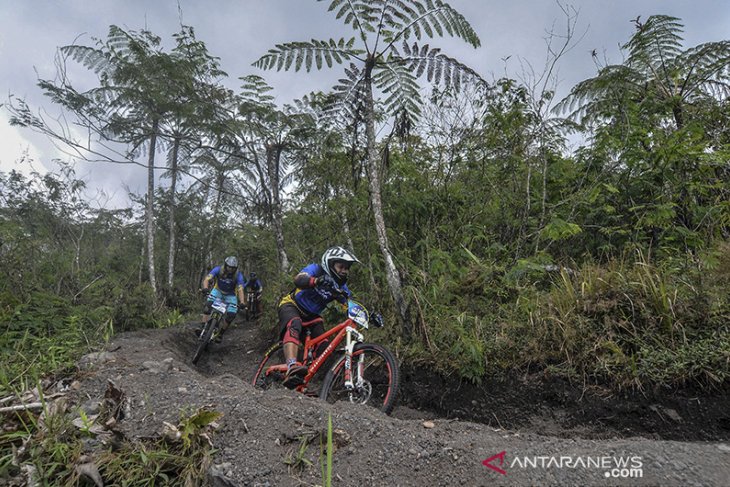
{"points": [[326, 282], [377, 320], [205, 291]]}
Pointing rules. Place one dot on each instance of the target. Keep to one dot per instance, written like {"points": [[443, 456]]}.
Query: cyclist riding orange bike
{"points": [[316, 286]]}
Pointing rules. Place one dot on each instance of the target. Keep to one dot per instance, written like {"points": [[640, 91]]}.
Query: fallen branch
{"points": [[7, 399], [22, 407]]}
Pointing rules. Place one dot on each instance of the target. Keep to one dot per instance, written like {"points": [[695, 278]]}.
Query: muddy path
{"points": [[527, 403], [525, 432]]}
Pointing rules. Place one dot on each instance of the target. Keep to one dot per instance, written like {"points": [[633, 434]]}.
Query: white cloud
{"points": [[18, 153], [240, 31]]}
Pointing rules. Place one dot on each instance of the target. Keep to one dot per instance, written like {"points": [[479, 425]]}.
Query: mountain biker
{"points": [[225, 283], [254, 284], [316, 286]]}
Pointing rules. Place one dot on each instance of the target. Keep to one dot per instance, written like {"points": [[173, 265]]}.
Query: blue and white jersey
{"points": [[314, 300], [227, 285]]}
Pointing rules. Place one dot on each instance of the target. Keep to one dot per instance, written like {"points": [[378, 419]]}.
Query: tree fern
{"points": [[91, 58], [394, 72], [302, 54], [656, 66], [378, 65]]}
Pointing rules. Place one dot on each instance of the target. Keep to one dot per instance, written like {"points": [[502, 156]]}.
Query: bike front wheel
{"points": [[204, 339], [274, 356], [380, 378]]}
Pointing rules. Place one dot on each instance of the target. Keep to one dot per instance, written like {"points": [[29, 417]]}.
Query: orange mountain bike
{"points": [[363, 373]]}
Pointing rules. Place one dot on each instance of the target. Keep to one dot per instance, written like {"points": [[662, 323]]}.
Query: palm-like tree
{"points": [[383, 60], [146, 99], [269, 137], [657, 70], [137, 91], [658, 91], [200, 107]]}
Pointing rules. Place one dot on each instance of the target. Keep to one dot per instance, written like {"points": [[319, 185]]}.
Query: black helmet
{"points": [[230, 264], [252, 276], [334, 255]]}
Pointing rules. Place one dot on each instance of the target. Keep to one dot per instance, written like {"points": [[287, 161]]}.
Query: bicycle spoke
{"points": [[376, 384]]}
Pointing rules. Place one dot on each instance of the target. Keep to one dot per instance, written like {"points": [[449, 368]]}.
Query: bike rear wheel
{"points": [[381, 378], [274, 356], [204, 339]]}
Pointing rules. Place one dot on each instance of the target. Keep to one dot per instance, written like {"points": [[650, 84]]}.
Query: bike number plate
{"points": [[219, 306]]}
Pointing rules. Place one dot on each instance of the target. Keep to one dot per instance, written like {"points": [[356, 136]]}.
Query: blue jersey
{"points": [[314, 300], [253, 285], [227, 285]]}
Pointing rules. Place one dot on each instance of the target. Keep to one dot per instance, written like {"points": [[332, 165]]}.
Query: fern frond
{"points": [[427, 18], [715, 89], [706, 65], [303, 54], [255, 99], [439, 68], [357, 13], [396, 80], [89, 57], [348, 95], [601, 94], [656, 43]]}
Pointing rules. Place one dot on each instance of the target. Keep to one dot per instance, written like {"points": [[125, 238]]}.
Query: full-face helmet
{"points": [[230, 265], [332, 256]]}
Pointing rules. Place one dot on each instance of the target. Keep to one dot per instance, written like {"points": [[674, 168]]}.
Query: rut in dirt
{"points": [[535, 404]]}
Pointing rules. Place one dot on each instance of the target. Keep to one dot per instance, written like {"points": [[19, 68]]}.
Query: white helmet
{"points": [[230, 265], [333, 255]]}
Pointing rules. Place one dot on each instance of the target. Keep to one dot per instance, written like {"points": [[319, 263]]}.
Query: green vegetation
{"points": [[52, 451], [606, 264]]}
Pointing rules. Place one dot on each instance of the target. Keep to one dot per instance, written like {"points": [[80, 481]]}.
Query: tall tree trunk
{"points": [[543, 209], [214, 221], [173, 187], [391, 273], [273, 154], [141, 260], [150, 207]]}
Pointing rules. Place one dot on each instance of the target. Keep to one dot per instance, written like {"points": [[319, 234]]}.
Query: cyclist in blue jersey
{"points": [[226, 283], [316, 286], [254, 284]]}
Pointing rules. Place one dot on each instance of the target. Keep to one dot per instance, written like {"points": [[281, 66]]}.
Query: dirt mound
{"points": [[273, 437]]}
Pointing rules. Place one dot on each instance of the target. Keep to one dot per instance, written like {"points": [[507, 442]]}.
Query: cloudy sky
{"points": [[512, 34]]}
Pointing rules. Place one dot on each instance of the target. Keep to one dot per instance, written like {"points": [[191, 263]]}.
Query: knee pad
{"points": [[230, 316], [293, 331]]}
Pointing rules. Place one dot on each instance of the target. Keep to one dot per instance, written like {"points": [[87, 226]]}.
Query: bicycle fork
{"points": [[351, 339]]}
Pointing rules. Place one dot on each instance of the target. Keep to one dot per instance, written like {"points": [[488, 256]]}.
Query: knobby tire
{"points": [[381, 374], [205, 339], [275, 355]]}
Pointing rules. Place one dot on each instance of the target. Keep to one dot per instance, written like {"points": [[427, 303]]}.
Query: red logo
{"points": [[500, 455]]}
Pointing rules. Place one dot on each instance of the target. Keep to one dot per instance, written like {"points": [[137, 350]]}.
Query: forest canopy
{"points": [[490, 244]]}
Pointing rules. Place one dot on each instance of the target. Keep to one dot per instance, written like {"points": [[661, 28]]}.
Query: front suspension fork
{"points": [[352, 338]]}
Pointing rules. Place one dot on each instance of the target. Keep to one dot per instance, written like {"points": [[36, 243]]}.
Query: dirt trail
{"points": [[261, 429]]}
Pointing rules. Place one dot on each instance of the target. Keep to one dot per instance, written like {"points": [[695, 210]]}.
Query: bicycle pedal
{"points": [[292, 381]]}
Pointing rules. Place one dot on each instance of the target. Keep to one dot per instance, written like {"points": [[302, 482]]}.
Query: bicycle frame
{"points": [[344, 331], [211, 326]]}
